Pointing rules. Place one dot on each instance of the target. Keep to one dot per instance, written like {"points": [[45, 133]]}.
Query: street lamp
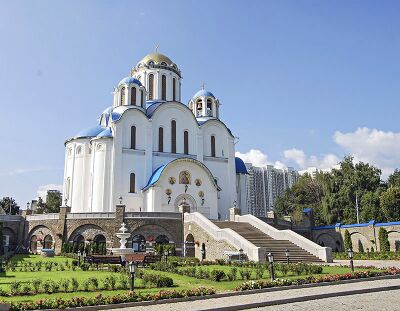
{"points": [[166, 255], [350, 253], [287, 254], [79, 257], [271, 265], [132, 271]]}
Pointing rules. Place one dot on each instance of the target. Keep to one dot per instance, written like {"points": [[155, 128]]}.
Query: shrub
{"points": [[26, 288], [75, 284], [232, 274], [284, 268], [86, 285], [54, 286], [360, 247], [217, 275], [124, 282], [95, 282], [383, 237], [157, 280], [347, 240], [260, 272], [47, 286], [3, 292], [75, 262], [15, 287], [85, 266], [36, 285], [64, 284], [245, 274]]}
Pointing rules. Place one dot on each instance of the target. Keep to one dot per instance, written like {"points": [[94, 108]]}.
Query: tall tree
{"points": [[370, 206], [394, 179], [53, 202], [9, 206], [390, 203]]}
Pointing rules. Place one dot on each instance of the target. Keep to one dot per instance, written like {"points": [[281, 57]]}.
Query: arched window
{"points": [[133, 96], [185, 142], [123, 96], [133, 137], [209, 107], [132, 188], [199, 106], [173, 136], [151, 86], [142, 98], [213, 146], [160, 139], [174, 89], [163, 87]]}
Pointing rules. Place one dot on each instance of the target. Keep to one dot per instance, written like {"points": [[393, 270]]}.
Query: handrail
{"points": [[323, 253], [225, 234]]}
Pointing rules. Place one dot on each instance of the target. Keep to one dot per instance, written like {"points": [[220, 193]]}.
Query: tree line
{"points": [[333, 195]]}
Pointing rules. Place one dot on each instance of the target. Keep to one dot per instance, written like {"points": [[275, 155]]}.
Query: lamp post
{"points": [[132, 271], [287, 254], [350, 253], [271, 265], [79, 257], [84, 257], [166, 255]]}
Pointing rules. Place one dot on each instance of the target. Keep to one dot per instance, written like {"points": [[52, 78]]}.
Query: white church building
{"points": [[152, 152]]}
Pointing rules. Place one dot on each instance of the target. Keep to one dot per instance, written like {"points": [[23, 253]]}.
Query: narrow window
{"points": [[132, 183], [173, 136], [174, 89], [123, 96], [213, 146], [209, 107], [160, 139], [142, 98], [151, 86], [163, 87], [133, 96], [185, 142], [133, 137]]}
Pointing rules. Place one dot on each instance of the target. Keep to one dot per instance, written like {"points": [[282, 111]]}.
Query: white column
{"points": [[203, 100], [128, 96]]}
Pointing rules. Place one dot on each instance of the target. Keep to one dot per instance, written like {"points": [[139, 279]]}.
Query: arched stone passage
{"points": [[41, 232], [99, 245], [33, 244], [356, 239], [394, 240], [162, 239], [326, 239], [10, 239], [189, 246], [83, 238], [78, 243], [151, 232], [139, 243], [48, 242]]}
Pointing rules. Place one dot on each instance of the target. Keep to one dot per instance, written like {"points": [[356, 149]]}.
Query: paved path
{"points": [[382, 301], [375, 263], [232, 302]]}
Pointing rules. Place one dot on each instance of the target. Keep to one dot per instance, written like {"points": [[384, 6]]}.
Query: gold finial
{"points": [[203, 85], [157, 46]]}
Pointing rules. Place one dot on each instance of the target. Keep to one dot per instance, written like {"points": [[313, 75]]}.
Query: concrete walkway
{"points": [[375, 263], [287, 296]]}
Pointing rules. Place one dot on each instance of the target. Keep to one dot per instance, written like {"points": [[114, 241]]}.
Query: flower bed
{"points": [[311, 279], [60, 303]]}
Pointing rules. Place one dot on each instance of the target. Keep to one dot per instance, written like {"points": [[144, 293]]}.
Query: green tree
{"points": [[347, 240], [360, 247], [383, 237], [9, 206], [370, 207], [390, 203], [394, 179], [53, 203], [1, 241]]}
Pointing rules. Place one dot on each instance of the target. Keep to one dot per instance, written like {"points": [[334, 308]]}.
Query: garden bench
{"points": [[142, 259], [103, 259]]}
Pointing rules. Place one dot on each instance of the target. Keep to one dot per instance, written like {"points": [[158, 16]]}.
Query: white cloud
{"points": [[373, 146], [303, 161], [42, 190], [254, 156]]}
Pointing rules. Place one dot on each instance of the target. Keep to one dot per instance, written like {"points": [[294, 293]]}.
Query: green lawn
{"points": [[180, 282]]}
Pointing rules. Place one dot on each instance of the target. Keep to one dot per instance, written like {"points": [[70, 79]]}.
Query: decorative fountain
{"points": [[122, 235]]}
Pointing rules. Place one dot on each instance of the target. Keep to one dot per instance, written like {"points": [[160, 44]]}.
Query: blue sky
{"points": [[301, 83]]}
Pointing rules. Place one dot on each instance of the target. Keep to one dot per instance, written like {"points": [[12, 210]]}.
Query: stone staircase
{"points": [[264, 241]]}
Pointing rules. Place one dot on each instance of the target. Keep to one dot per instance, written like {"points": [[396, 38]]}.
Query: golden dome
{"points": [[156, 58]]}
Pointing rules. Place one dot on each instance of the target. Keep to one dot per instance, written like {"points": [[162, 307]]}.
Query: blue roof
{"points": [[240, 166], [153, 106], [203, 93], [155, 176], [129, 80], [106, 133], [307, 210], [90, 132]]}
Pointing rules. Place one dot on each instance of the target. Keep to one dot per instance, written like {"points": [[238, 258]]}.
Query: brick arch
{"points": [[153, 230], [394, 240], [328, 240], [358, 236], [88, 231], [41, 231]]}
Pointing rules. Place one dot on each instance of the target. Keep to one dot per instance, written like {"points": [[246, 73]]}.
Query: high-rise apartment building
{"points": [[265, 185]]}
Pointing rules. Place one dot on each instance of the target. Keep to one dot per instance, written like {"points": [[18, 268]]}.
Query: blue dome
{"points": [[130, 80], [203, 93], [106, 133], [90, 132], [240, 166]]}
